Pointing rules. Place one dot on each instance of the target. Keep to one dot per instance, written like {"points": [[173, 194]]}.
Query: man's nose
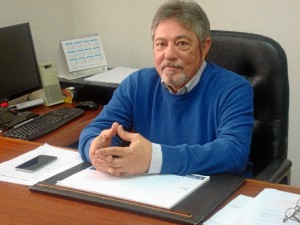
{"points": [[171, 52]]}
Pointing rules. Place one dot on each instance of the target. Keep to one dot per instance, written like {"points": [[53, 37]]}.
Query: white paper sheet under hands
{"points": [[157, 190], [65, 160]]}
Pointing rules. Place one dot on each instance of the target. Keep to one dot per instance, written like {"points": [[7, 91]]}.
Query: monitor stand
{"points": [[10, 118]]}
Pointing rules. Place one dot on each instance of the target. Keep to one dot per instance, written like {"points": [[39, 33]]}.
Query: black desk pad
{"points": [[191, 210]]}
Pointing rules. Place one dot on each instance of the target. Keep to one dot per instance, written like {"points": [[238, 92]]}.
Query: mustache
{"points": [[171, 64]]}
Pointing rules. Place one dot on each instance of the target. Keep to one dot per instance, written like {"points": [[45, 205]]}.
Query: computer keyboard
{"points": [[43, 124]]}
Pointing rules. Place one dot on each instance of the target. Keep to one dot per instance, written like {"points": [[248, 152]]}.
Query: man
{"points": [[184, 116]]}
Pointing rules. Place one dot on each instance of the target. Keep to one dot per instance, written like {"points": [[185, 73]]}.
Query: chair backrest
{"points": [[263, 62]]}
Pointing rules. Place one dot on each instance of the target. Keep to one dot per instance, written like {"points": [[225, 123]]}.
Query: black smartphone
{"points": [[36, 163]]}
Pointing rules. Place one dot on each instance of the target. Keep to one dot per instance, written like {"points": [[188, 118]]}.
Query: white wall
{"points": [[50, 21], [124, 28]]}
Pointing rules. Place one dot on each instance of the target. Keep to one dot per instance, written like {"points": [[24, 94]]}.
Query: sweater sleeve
{"points": [[117, 110]]}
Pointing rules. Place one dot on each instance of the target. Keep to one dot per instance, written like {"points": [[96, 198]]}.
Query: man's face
{"points": [[178, 54]]}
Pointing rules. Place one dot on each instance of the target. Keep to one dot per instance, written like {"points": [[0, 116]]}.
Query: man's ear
{"points": [[205, 47]]}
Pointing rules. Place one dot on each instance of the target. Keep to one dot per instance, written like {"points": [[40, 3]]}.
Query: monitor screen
{"points": [[19, 73]]}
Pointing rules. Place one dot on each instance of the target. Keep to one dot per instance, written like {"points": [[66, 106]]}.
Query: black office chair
{"points": [[263, 62]]}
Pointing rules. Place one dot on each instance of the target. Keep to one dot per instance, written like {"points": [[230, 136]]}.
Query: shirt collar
{"points": [[189, 85]]}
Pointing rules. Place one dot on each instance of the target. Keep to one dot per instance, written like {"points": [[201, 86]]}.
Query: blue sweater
{"points": [[207, 130]]}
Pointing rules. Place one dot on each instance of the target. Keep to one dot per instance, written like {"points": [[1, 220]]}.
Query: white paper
{"points": [[232, 213], [113, 76], [269, 207], [158, 190], [65, 160]]}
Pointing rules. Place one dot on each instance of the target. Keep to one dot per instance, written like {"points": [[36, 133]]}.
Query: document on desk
{"points": [[65, 160], [232, 213], [268, 207], [113, 76], [156, 190]]}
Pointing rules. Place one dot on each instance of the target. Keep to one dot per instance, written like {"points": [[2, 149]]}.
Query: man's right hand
{"points": [[103, 140]]}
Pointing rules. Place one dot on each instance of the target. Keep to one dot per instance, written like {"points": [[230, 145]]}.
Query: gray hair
{"points": [[189, 13]]}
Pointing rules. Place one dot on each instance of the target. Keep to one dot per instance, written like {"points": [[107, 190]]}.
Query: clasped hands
{"points": [[121, 161]]}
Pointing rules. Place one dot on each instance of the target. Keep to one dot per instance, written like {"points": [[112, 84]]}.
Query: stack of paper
{"points": [[267, 208], [157, 190]]}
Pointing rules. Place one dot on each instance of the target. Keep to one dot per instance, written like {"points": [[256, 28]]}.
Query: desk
{"points": [[20, 206], [69, 133]]}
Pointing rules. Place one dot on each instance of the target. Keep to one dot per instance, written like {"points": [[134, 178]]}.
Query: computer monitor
{"points": [[19, 72]]}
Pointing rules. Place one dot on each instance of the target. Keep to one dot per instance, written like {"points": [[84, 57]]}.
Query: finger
{"points": [[110, 133], [112, 162], [95, 144], [114, 170], [120, 171], [107, 158], [116, 167], [126, 136], [105, 169], [104, 138], [111, 151]]}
